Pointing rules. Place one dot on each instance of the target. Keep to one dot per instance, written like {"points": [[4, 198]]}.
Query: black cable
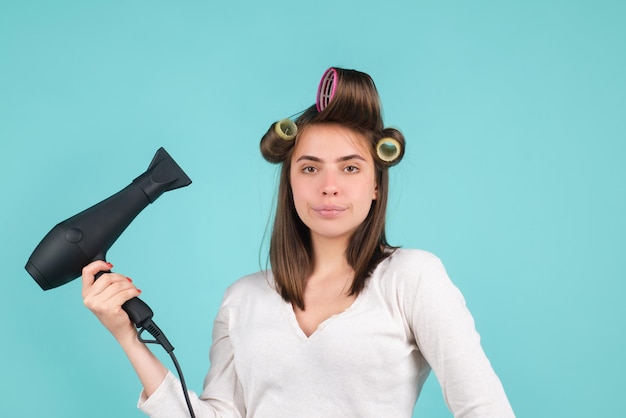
{"points": [[160, 338], [182, 382]]}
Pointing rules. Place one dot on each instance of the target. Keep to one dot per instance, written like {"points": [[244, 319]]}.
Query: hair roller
{"points": [[326, 89], [390, 148], [278, 140], [350, 98], [286, 129]]}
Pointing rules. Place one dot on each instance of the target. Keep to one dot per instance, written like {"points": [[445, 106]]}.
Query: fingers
{"points": [[90, 271], [106, 296], [110, 288]]}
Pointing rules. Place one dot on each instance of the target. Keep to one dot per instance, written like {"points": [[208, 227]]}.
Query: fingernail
{"points": [[110, 265], [139, 290], [129, 279]]}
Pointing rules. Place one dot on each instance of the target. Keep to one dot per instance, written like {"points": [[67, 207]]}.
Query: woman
{"points": [[343, 325]]}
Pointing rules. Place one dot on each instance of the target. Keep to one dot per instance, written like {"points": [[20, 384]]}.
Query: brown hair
{"points": [[355, 105]]}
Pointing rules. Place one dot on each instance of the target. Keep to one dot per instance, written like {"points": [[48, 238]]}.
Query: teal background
{"points": [[514, 175]]}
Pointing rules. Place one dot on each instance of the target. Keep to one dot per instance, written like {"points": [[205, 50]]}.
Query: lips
{"points": [[328, 211]]}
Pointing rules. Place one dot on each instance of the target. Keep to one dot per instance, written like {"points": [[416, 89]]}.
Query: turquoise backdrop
{"points": [[514, 175]]}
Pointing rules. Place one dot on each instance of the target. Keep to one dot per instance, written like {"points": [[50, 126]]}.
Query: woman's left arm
{"points": [[446, 335]]}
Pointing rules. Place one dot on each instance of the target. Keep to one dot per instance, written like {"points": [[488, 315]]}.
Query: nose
{"points": [[329, 185]]}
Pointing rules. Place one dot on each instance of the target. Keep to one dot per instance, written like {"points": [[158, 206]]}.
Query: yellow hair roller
{"points": [[286, 129], [388, 149]]}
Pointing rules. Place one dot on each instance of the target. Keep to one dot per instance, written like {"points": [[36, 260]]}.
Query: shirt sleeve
{"points": [[222, 394], [447, 338]]}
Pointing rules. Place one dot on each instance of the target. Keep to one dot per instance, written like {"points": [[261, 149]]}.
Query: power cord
{"points": [[161, 339]]}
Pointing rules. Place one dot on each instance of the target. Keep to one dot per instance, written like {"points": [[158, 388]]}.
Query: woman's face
{"points": [[333, 180]]}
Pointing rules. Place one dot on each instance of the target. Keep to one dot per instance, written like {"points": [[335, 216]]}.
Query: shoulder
{"points": [[417, 283], [251, 286], [410, 272], [407, 261], [412, 257]]}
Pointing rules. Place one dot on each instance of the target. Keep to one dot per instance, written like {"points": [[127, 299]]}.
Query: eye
{"points": [[351, 169], [309, 169]]}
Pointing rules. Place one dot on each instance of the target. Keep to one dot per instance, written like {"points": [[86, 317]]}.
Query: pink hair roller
{"points": [[326, 89]]}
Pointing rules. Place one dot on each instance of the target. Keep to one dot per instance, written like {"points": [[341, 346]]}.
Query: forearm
{"points": [[148, 367]]}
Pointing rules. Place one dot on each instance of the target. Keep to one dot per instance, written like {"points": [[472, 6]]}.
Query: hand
{"points": [[105, 296]]}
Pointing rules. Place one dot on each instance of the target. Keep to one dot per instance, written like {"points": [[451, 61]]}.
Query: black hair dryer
{"points": [[72, 244]]}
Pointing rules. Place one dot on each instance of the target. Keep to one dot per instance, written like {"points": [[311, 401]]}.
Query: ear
{"points": [[375, 192]]}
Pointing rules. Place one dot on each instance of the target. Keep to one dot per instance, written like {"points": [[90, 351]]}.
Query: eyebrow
{"points": [[340, 159]]}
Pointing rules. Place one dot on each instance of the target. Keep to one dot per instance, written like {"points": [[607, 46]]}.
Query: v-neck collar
{"points": [[295, 325]]}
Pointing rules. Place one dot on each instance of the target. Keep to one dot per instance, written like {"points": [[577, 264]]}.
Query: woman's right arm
{"points": [[162, 395], [104, 297]]}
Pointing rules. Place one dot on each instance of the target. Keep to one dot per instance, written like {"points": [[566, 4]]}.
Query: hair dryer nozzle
{"points": [[87, 236], [162, 175]]}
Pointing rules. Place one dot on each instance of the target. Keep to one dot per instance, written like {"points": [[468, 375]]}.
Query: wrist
{"points": [[128, 339]]}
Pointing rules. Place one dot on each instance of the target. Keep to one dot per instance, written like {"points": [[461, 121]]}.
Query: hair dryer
{"points": [[72, 244]]}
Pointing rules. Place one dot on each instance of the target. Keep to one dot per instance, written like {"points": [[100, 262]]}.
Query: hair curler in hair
{"points": [[388, 149], [326, 89], [286, 129]]}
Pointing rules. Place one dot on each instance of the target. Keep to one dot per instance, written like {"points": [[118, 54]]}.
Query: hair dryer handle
{"points": [[141, 315], [138, 311]]}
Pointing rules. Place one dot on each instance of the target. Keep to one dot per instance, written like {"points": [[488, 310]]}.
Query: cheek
{"points": [[364, 199], [370, 190], [295, 190], [299, 198]]}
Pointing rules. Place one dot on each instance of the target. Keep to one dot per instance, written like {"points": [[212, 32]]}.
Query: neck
{"points": [[329, 256]]}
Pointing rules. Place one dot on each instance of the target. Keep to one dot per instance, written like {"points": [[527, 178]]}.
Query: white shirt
{"points": [[369, 361]]}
